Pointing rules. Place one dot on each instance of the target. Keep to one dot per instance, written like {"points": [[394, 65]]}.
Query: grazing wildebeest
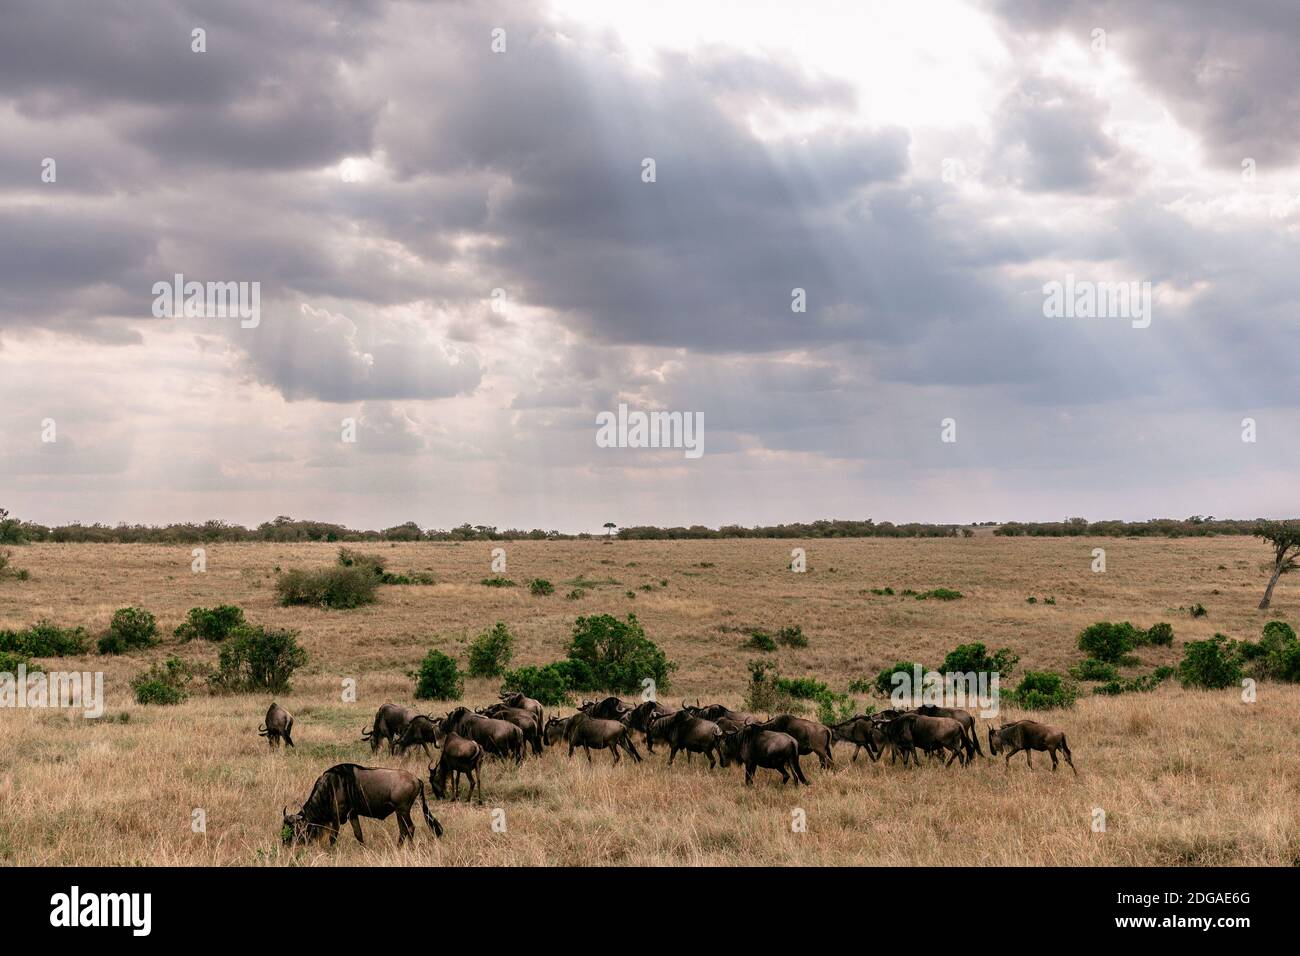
{"points": [[963, 717], [347, 792], [278, 724], [592, 733], [459, 755], [755, 747], [695, 735], [500, 738], [523, 719], [520, 702], [420, 731], [645, 714], [1030, 735], [862, 733], [911, 730], [390, 721], [611, 708], [813, 737]]}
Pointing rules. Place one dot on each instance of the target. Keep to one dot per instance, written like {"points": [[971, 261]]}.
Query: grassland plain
{"points": [[1183, 777]]}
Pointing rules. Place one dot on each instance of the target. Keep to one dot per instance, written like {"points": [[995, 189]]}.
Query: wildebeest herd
{"points": [[517, 725]]}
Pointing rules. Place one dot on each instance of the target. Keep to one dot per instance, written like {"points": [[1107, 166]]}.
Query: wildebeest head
{"points": [[295, 829], [729, 746], [555, 727], [995, 740]]}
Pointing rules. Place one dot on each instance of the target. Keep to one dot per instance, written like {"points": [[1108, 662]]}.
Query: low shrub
{"points": [[490, 652], [1140, 684], [339, 587], [163, 684], [131, 628], [10, 661], [1093, 669], [1211, 664], [618, 653], [974, 658], [760, 640], [439, 678], [1109, 642], [497, 581], [1161, 635], [792, 636], [540, 586], [257, 659], [940, 594], [1043, 690], [885, 679], [44, 639], [211, 623], [1198, 610], [552, 684], [575, 595]]}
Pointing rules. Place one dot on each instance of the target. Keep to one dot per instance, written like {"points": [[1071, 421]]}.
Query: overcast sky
{"points": [[921, 170]]}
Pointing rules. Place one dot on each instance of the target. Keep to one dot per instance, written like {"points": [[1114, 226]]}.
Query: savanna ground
{"points": [[1184, 778]]}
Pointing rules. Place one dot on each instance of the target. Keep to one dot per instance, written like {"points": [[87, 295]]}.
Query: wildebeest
{"points": [[684, 731], [420, 731], [611, 708], [278, 724], [862, 732], [521, 702], [390, 721], [755, 747], [963, 717], [523, 719], [911, 730], [812, 736], [347, 792], [643, 715], [1030, 735], [714, 712], [459, 755], [500, 738], [592, 733]]}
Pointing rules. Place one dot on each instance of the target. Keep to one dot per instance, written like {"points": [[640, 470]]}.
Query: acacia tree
{"points": [[609, 528], [1284, 537]]}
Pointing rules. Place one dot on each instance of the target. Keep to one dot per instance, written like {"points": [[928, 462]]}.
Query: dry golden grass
{"points": [[1183, 777]]}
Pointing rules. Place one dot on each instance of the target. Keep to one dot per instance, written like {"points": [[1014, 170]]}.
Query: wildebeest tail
{"points": [[1065, 746], [974, 733], [429, 818]]}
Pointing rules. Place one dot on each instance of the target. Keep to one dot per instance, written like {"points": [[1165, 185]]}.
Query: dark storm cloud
{"points": [[1228, 71]]}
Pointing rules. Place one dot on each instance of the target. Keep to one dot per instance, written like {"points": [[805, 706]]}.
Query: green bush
{"points": [[257, 659], [551, 684], [1109, 642], [770, 692], [792, 636], [540, 586], [973, 658], [497, 582], [1212, 664], [44, 639], [211, 623], [375, 563], [1198, 610], [10, 661], [760, 640], [1276, 656], [130, 628], [619, 653], [1093, 669], [439, 678], [1043, 690], [1140, 684], [885, 679], [490, 652], [940, 594], [339, 587], [1160, 634], [163, 684]]}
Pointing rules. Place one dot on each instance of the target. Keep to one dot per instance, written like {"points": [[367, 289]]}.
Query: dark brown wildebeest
{"points": [[611, 708], [591, 733], [278, 724], [716, 712], [499, 738], [695, 735], [862, 733], [347, 792], [1030, 735], [645, 714], [963, 717], [523, 719], [812, 736], [755, 747], [912, 730], [420, 731], [520, 702], [459, 755], [390, 721]]}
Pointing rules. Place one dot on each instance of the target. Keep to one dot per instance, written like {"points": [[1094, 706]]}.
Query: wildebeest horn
{"points": [[365, 734], [683, 703]]}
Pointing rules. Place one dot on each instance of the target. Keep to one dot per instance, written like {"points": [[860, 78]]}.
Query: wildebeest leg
{"points": [[672, 754], [614, 750], [1051, 752], [856, 748], [1029, 754], [334, 831], [356, 827], [749, 774], [588, 752], [1011, 753], [405, 826], [798, 770], [785, 777]]}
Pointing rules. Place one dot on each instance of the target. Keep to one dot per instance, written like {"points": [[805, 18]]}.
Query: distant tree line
{"points": [[286, 529]]}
